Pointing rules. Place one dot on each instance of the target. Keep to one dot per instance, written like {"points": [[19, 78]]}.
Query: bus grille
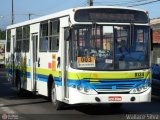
{"points": [[115, 86]]}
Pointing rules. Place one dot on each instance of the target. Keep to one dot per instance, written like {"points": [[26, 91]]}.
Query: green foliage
{"points": [[2, 35]]}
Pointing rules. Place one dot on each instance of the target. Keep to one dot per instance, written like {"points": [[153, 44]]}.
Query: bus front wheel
{"points": [[58, 104]]}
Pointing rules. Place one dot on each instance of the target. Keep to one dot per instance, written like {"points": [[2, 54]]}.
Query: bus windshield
{"points": [[102, 47]]}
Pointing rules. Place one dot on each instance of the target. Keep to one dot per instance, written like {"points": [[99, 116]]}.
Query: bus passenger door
{"points": [[64, 24], [34, 42], [66, 59], [13, 58]]}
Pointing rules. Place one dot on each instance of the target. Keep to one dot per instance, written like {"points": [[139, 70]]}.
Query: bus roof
{"points": [[115, 7], [66, 13]]}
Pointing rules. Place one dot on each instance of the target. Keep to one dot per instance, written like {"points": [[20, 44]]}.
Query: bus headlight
{"points": [[141, 88], [86, 90], [79, 87]]}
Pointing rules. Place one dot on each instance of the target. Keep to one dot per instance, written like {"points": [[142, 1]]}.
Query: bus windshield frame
{"points": [[110, 47]]}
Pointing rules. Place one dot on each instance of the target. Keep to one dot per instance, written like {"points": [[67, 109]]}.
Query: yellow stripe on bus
{"points": [[107, 75], [96, 76], [45, 72]]}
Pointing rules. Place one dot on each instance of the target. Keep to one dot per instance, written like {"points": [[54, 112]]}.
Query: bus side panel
{"points": [[43, 71], [26, 78], [34, 29]]}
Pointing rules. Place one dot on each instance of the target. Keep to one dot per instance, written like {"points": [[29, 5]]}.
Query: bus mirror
{"points": [[67, 34], [151, 38]]}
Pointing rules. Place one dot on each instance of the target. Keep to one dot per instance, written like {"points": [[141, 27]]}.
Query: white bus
{"points": [[2, 53], [98, 54]]}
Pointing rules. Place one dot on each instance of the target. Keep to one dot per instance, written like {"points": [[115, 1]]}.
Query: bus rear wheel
{"points": [[20, 91], [57, 104], [19, 88]]}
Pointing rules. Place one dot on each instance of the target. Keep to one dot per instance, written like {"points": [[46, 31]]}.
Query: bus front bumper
{"points": [[76, 97]]}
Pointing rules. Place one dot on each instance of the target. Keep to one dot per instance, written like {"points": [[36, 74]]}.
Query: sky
{"points": [[43, 7]]}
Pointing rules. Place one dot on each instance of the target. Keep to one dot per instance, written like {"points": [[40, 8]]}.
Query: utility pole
{"points": [[12, 13], [90, 2], [29, 15]]}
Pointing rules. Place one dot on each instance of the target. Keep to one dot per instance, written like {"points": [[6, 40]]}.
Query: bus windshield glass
{"points": [[101, 47]]}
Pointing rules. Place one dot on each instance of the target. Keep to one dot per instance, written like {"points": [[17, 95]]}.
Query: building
{"points": [[155, 24], [2, 52]]}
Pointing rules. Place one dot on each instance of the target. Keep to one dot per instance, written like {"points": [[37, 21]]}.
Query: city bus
{"points": [[84, 55], [2, 53]]}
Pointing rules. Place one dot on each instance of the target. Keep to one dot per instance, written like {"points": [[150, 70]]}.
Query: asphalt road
{"points": [[38, 108]]}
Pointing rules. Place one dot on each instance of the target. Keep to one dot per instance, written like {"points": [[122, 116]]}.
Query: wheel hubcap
{"points": [[53, 95]]}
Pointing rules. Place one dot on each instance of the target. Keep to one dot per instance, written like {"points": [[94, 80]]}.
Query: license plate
{"points": [[115, 98]]}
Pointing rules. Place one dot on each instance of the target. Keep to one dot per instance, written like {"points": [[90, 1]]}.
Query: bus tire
{"points": [[49, 85], [57, 104], [18, 86], [20, 91]]}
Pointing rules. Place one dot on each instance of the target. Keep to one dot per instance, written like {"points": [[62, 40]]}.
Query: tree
{"points": [[2, 34]]}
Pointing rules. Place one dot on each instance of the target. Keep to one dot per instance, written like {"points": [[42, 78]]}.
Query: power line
{"points": [[82, 4], [23, 14], [115, 2], [144, 3], [130, 3]]}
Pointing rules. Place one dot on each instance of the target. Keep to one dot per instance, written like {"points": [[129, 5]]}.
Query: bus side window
{"points": [[54, 35], [18, 39], [26, 36], [8, 40], [43, 46]]}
